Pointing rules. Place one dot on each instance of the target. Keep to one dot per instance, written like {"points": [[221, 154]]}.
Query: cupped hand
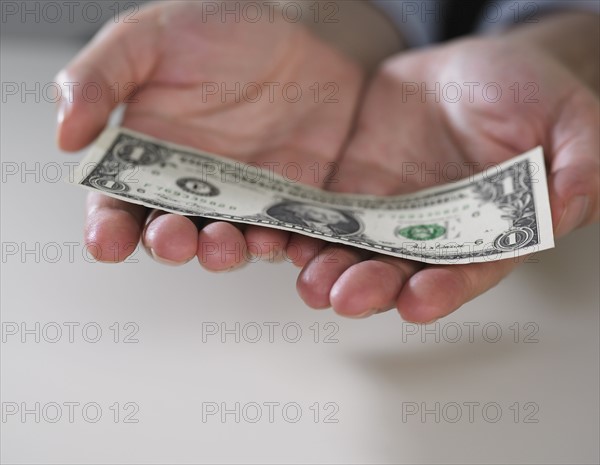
{"points": [[411, 115], [258, 92]]}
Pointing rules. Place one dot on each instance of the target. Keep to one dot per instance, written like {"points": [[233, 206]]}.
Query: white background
{"points": [[376, 370]]}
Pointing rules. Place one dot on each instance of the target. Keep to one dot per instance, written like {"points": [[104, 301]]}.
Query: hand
{"points": [[396, 125], [169, 56]]}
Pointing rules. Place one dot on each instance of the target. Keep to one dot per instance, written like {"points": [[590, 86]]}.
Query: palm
{"points": [[250, 91], [541, 104], [231, 88], [472, 131]]}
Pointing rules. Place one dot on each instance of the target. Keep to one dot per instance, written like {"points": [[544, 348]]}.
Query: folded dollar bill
{"points": [[500, 213]]}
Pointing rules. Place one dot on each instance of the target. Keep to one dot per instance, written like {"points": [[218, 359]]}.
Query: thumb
{"points": [[116, 62], [574, 193], [574, 182]]}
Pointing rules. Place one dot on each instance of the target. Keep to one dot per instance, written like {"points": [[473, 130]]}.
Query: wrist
{"points": [[572, 39], [355, 28]]}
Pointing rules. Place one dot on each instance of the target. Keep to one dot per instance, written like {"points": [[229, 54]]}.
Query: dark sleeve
{"points": [[423, 22]]}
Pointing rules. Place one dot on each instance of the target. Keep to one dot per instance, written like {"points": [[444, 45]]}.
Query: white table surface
{"points": [[376, 371]]}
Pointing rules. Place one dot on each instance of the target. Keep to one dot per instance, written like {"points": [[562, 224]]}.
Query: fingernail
{"points": [[274, 257], [413, 322], [573, 215], [164, 261], [62, 110], [224, 270], [235, 267], [366, 314], [66, 99]]}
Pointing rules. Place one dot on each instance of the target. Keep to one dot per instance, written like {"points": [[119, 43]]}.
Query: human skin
{"points": [[170, 63], [393, 127], [170, 55]]}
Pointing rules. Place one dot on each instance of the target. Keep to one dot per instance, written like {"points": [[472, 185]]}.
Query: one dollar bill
{"points": [[501, 213]]}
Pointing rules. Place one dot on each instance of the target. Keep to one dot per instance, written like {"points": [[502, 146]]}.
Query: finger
{"points": [[574, 182], [221, 247], [301, 249], [119, 58], [318, 277], [437, 291], [170, 239], [574, 197], [112, 227], [265, 243], [371, 286]]}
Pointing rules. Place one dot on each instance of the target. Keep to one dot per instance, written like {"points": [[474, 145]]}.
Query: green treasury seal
{"points": [[422, 232]]}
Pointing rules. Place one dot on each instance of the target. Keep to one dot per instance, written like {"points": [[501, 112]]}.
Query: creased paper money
{"points": [[497, 214]]}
